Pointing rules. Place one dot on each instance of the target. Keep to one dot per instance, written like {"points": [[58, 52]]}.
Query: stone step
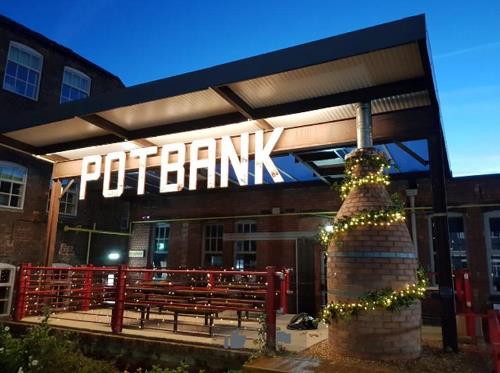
{"points": [[283, 364]]}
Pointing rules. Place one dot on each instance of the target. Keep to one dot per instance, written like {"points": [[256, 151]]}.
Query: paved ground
{"points": [[191, 329], [472, 358]]}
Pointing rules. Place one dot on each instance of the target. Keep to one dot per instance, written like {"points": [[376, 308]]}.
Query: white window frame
{"points": [[205, 251], [489, 250], [236, 251], [32, 52], [431, 242], [76, 72], [156, 239], [25, 183], [74, 189]]}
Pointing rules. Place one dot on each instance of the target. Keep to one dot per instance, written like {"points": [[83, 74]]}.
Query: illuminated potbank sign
{"points": [[173, 162]]}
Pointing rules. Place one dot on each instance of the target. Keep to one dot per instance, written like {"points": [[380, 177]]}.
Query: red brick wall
{"points": [[22, 233]]}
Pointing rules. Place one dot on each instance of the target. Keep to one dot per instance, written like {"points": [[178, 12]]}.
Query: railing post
{"points": [[118, 310], [210, 280], [271, 308], [87, 287], [284, 290], [22, 286]]}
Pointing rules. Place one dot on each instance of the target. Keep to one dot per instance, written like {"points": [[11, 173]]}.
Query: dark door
{"points": [[308, 293]]}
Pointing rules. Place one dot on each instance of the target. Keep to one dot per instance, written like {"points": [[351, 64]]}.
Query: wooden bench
{"points": [[189, 300]]}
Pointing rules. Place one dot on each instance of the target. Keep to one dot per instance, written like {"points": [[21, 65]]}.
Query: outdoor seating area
{"points": [[191, 329], [192, 302]]}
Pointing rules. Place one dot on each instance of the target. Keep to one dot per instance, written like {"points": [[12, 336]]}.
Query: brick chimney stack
{"points": [[367, 258]]}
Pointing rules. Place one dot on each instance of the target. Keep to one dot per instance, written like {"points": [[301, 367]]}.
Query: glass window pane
{"points": [[16, 189], [14, 201], [32, 77], [20, 87], [4, 200], [30, 90], [495, 233], [5, 187], [22, 73], [9, 83], [14, 54], [24, 58], [11, 68]]}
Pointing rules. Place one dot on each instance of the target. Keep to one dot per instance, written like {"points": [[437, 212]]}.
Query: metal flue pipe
{"points": [[364, 125]]}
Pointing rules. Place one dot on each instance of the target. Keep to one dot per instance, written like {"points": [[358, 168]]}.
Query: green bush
{"points": [[40, 352]]}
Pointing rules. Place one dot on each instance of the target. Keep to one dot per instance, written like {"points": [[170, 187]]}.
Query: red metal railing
{"points": [[135, 294]]}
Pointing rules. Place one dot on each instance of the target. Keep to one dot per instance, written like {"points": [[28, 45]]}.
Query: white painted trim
{"points": [[30, 51], [267, 236], [76, 72], [487, 216], [25, 185]]}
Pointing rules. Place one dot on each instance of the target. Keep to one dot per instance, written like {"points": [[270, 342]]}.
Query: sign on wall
{"points": [[174, 161], [136, 254]]}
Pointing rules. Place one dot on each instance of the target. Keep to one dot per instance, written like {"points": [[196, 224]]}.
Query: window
{"points": [[75, 85], [212, 245], [68, 204], [23, 70], [492, 236], [245, 251], [12, 185], [160, 245], [458, 244]]}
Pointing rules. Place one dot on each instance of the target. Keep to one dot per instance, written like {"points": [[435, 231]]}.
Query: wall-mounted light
{"points": [[114, 255]]}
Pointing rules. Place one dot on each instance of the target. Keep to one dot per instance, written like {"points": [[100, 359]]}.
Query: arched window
{"points": [[12, 185], [75, 85], [23, 71], [492, 237]]}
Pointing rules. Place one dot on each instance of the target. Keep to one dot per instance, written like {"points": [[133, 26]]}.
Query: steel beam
{"points": [[257, 114], [228, 95], [442, 243], [399, 126]]}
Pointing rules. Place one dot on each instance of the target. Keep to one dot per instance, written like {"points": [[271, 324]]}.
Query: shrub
{"points": [[40, 352]]}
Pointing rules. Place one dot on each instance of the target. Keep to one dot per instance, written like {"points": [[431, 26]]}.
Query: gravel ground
{"points": [[470, 359]]}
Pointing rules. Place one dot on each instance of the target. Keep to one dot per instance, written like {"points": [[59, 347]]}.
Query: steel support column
{"points": [[442, 243]]}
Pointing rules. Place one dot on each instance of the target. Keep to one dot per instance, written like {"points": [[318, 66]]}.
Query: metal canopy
{"points": [[309, 84]]}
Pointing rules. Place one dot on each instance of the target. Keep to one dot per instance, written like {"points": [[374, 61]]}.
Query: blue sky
{"points": [[146, 40]]}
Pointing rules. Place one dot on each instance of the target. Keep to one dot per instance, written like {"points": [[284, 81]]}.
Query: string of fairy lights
{"points": [[387, 299], [210, 292]]}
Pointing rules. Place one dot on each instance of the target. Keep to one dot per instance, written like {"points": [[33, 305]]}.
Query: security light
{"points": [[114, 256]]}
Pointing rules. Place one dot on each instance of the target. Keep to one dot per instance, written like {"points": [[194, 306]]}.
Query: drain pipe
{"points": [[411, 194], [364, 125]]}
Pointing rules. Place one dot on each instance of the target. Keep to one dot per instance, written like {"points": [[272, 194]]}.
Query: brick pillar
{"points": [[368, 258]]}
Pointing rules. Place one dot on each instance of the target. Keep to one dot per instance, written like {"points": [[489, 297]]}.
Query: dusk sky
{"points": [[142, 41]]}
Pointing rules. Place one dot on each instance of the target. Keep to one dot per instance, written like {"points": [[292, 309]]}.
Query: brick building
{"points": [[36, 73], [272, 224]]}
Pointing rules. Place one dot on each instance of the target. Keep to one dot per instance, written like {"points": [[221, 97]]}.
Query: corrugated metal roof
{"points": [[393, 103], [169, 110], [63, 131], [401, 102], [214, 132], [365, 70]]}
